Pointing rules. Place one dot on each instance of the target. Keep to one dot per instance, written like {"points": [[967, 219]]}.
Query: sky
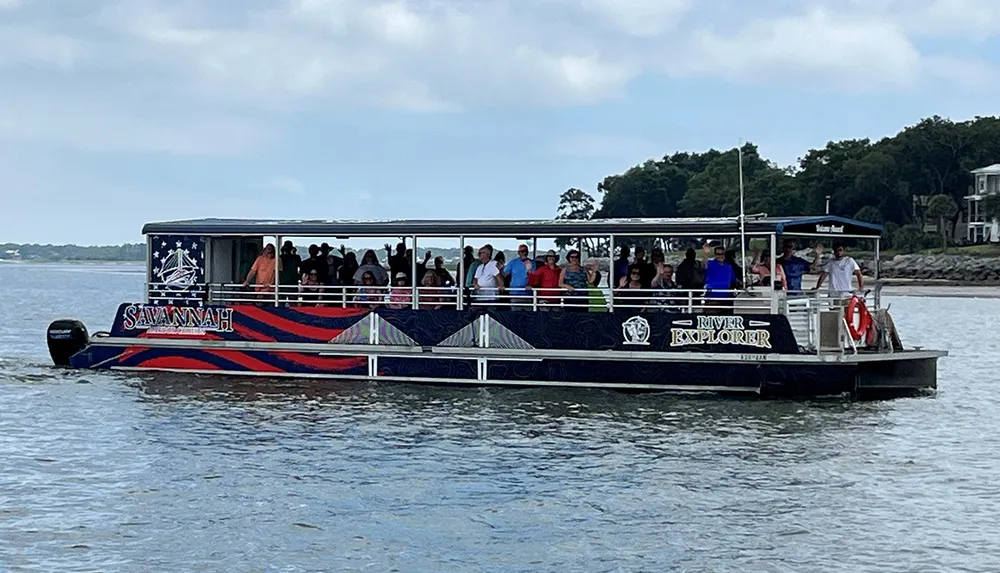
{"points": [[115, 113]]}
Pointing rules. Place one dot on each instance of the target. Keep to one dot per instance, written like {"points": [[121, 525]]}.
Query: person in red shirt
{"points": [[547, 278]]}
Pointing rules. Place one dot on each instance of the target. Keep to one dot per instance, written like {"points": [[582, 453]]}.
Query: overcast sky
{"points": [[114, 113]]}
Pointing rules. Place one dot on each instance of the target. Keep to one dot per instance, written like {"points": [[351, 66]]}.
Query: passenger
{"points": [[398, 263], [762, 268], [290, 262], [518, 273], [333, 263], [665, 288], [795, 267], [345, 274], [841, 269], [421, 266], [430, 295], [315, 263], [596, 302], [401, 295], [263, 270], [370, 264], [737, 269], [470, 271], [444, 277], [648, 272], [487, 280], [719, 277], [574, 280], [630, 288], [620, 267], [368, 293], [691, 273], [545, 280], [501, 259], [311, 290], [468, 260]]}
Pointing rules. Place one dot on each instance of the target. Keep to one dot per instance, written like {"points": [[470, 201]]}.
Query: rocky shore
{"points": [[955, 269]]}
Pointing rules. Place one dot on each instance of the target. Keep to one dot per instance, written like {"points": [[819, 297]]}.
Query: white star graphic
{"points": [[164, 245], [179, 244], [194, 246]]}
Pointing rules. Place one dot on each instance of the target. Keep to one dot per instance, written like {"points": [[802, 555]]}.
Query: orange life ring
{"points": [[857, 311]]}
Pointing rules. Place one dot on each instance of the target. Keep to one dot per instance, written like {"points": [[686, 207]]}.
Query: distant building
{"points": [[986, 182], [11, 255]]}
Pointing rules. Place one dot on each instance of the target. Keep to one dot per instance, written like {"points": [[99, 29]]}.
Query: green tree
{"points": [[932, 157], [942, 207], [577, 205], [909, 239], [869, 214]]}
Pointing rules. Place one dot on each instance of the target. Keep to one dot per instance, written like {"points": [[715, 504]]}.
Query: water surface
{"points": [[114, 472]]}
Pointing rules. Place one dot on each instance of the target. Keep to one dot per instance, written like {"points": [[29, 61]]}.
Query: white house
{"points": [[986, 182]]}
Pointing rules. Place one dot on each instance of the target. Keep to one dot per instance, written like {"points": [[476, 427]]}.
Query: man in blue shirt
{"points": [[719, 275], [519, 272], [795, 267]]}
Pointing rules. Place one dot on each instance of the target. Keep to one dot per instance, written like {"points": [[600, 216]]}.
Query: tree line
{"points": [[905, 182], [53, 253]]}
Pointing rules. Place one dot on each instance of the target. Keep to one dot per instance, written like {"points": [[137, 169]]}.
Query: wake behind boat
{"points": [[554, 325]]}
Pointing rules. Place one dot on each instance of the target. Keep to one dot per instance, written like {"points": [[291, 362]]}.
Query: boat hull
{"points": [[666, 352]]}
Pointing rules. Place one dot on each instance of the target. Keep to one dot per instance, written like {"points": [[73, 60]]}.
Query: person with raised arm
{"points": [[841, 269]]}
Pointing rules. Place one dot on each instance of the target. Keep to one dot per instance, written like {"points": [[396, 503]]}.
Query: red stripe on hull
{"points": [[322, 362], [289, 326], [244, 360], [178, 363], [250, 334], [331, 311]]}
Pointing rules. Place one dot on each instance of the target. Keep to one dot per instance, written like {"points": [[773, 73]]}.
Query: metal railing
{"points": [[592, 299], [337, 296]]}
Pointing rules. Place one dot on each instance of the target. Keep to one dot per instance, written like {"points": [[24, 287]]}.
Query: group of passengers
{"points": [[492, 281], [720, 276]]}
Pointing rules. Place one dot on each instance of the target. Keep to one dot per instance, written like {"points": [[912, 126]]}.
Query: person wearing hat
{"points": [[519, 273], [401, 296], [545, 280]]}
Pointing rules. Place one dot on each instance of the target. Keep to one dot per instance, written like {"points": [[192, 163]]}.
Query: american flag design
{"points": [[177, 270]]}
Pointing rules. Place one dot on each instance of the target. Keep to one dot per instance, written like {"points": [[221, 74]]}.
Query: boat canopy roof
{"points": [[813, 226]]}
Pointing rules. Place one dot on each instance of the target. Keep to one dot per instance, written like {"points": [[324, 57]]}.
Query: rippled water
{"points": [[170, 473]]}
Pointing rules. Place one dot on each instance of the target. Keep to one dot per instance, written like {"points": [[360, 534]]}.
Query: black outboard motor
{"points": [[66, 338]]}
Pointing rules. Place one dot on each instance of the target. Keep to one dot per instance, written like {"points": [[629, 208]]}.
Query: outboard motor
{"points": [[66, 338]]}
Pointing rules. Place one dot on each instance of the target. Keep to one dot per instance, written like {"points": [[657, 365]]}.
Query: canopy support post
{"points": [[413, 273], [277, 272], [611, 273], [460, 279]]}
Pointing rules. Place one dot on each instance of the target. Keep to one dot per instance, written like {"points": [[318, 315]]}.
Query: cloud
{"points": [[209, 78], [286, 184]]}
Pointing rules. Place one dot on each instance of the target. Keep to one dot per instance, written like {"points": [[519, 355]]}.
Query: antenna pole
{"points": [[743, 216]]}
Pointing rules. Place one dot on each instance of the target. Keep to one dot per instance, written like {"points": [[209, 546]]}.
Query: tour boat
{"points": [[197, 316]]}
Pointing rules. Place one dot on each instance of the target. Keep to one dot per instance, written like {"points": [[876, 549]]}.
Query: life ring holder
{"points": [[857, 311]]}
